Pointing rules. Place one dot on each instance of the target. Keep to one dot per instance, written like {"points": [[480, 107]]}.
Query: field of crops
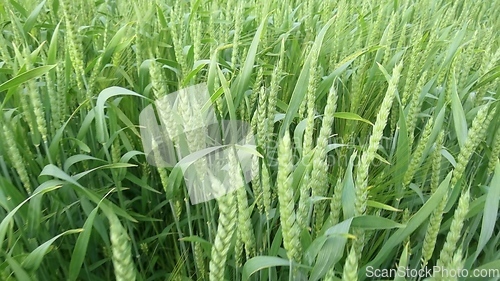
{"points": [[360, 137]]}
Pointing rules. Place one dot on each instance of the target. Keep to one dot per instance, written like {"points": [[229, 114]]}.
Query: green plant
{"points": [[360, 110]]}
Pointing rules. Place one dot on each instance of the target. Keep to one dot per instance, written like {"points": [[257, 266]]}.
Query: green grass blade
{"points": [[349, 191], [34, 259], [81, 245], [326, 250], [25, 76], [458, 116], [102, 130], [300, 89], [19, 271], [490, 213], [243, 80], [8, 219], [351, 116], [414, 222], [31, 20], [403, 263], [256, 264], [54, 44], [374, 222]]}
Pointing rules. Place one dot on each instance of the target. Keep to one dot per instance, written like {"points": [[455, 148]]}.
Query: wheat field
{"points": [[369, 131]]}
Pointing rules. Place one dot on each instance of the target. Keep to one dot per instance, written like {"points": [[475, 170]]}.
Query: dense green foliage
{"points": [[377, 123]]}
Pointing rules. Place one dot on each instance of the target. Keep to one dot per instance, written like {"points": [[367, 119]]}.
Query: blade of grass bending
{"points": [[382, 206], [351, 116], [8, 218], [106, 205], [414, 222], [10, 196], [102, 131], [107, 166], [24, 77], [19, 271], [374, 222], [34, 259], [207, 246], [78, 158], [256, 264], [326, 250]]}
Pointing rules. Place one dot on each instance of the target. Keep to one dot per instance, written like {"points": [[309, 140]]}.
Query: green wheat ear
{"points": [[245, 228], [122, 255], [495, 152], [351, 266], [289, 225], [446, 258], [319, 182], [225, 231]]}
